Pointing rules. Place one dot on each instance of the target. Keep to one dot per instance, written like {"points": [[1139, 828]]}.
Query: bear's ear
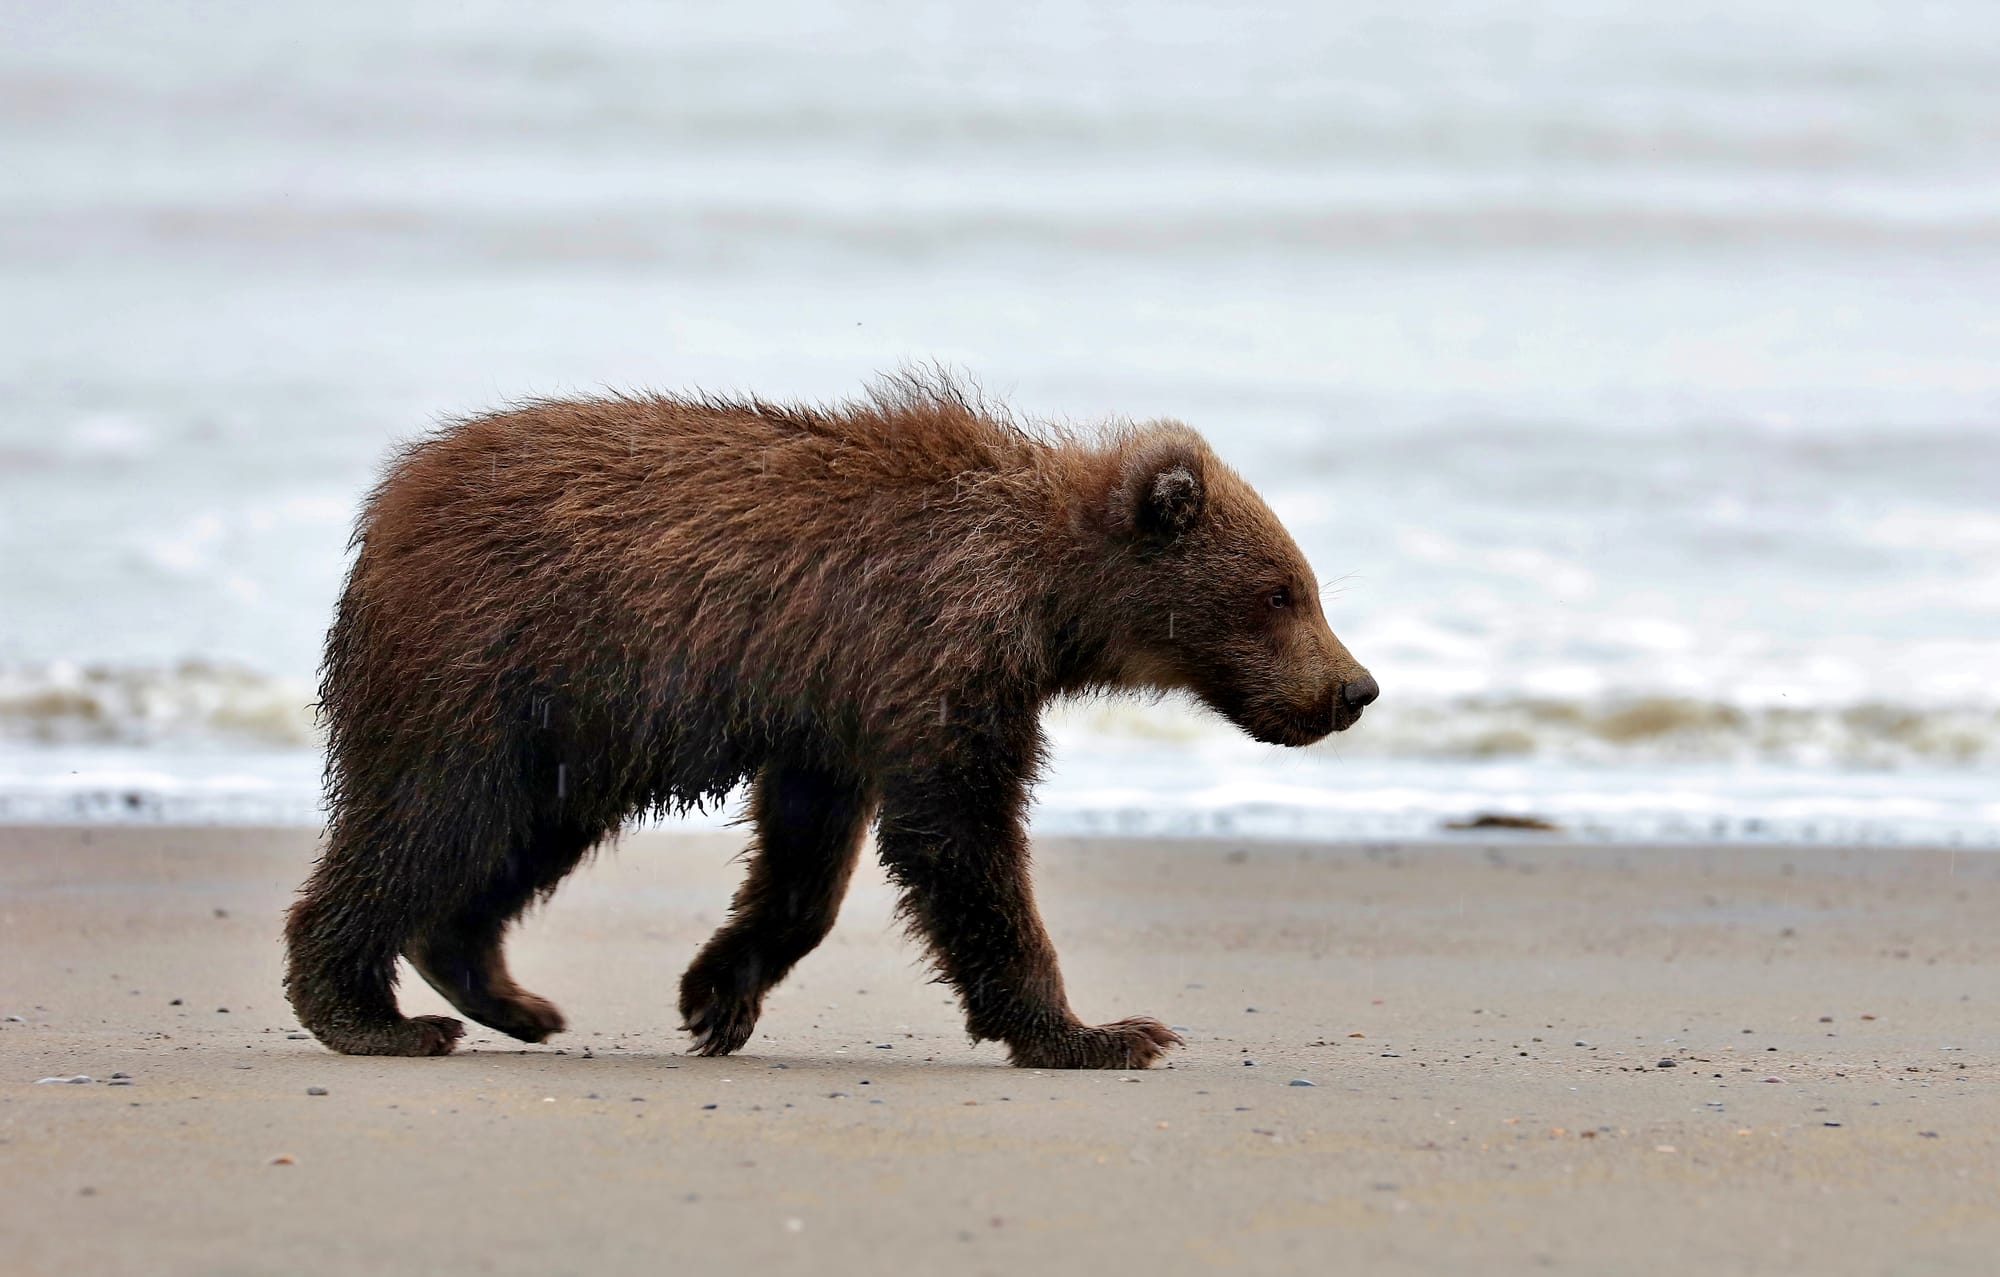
{"points": [[1160, 494]]}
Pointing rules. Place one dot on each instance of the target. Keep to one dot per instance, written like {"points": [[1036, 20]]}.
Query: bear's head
{"points": [[1216, 599]]}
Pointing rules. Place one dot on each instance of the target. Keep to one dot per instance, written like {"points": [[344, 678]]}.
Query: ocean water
{"points": [[1630, 373]]}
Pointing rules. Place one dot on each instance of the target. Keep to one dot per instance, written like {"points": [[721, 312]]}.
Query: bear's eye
{"points": [[1281, 597]]}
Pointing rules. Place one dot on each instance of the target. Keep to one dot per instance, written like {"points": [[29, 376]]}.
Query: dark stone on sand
{"points": [[1502, 820], [316, 1090]]}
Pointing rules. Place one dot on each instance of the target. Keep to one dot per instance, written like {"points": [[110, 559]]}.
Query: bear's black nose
{"points": [[1361, 691]]}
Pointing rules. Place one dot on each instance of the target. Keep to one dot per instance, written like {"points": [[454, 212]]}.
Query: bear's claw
{"points": [[416, 1036], [435, 1035], [524, 1016], [718, 1025], [1126, 1044]]}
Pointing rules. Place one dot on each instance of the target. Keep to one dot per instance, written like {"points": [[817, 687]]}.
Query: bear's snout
{"points": [[1361, 691], [1351, 697]]}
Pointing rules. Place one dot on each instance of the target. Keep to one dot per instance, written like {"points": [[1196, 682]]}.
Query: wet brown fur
{"points": [[573, 613]]}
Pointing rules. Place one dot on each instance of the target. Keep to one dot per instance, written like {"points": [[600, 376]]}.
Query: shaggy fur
{"points": [[566, 615]]}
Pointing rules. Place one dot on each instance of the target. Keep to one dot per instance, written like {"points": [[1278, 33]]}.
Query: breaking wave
{"points": [[198, 702], [1614, 731], [193, 702]]}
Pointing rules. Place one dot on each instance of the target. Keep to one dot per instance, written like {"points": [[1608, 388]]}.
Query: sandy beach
{"points": [[1523, 1056]]}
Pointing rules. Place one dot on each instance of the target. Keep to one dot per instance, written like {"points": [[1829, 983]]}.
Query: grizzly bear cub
{"points": [[573, 613]]}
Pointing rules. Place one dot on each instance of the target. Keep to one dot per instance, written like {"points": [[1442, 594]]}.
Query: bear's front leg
{"points": [[952, 839]]}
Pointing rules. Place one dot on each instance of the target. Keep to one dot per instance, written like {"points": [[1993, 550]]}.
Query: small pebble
{"points": [[707, 1107], [176, 1002], [315, 1090], [80, 1077], [283, 1159], [1667, 1064], [17, 1019], [1299, 1081], [299, 1037], [1249, 1064]]}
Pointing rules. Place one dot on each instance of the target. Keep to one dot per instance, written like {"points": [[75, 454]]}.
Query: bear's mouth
{"points": [[1309, 729], [1294, 731], [1277, 722]]}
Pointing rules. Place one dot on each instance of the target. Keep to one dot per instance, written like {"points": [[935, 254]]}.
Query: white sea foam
{"points": [[1226, 789]]}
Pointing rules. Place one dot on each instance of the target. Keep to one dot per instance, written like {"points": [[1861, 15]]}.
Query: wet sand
{"points": [[1483, 1022]]}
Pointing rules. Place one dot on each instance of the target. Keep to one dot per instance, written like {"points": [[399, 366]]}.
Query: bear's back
{"points": [[861, 554]]}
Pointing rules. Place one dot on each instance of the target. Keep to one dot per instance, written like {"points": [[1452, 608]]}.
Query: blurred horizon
{"points": [[1631, 369]]}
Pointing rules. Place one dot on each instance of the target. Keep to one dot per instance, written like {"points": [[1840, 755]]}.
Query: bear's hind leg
{"points": [[809, 828], [341, 939], [460, 955]]}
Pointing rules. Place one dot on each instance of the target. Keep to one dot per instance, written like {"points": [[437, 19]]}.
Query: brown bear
{"points": [[573, 613]]}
